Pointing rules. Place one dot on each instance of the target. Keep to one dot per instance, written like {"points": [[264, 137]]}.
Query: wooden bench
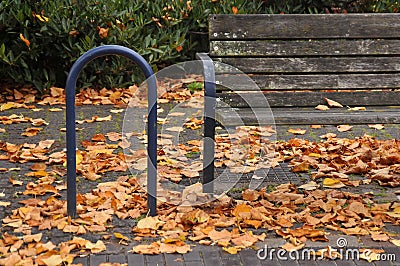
{"points": [[299, 61]]}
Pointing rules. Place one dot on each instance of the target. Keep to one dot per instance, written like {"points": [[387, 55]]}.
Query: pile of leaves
{"points": [[337, 158], [296, 213]]}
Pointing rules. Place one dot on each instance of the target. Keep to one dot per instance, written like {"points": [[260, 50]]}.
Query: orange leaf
{"points": [[26, 41], [179, 48], [235, 10], [103, 33]]}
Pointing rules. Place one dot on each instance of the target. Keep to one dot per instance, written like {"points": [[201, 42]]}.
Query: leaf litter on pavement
{"points": [[295, 213]]}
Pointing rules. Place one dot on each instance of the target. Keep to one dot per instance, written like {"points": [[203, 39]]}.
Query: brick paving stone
{"points": [[81, 260], [383, 263], [325, 262], [154, 259], [95, 260], [270, 261], [194, 263], [345, 262], [288, 262], [249, 257], [230, 259], [136, 260], [194, 255], [307, 263], [211, 258], [369, 243], [362, 262], [174, 260], [119, 258], [393, 252]]}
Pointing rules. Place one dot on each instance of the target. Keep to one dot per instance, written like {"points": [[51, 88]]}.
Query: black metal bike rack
{"points": [[151, 125]]}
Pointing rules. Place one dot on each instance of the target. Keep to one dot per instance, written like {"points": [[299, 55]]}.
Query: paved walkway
{"points": [[201, 255]]}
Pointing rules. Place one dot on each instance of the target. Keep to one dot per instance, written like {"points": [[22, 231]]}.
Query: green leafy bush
{"points": [[40, 40]]}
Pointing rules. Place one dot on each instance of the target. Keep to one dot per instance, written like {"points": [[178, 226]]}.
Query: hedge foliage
{"points": [[40, 39]]}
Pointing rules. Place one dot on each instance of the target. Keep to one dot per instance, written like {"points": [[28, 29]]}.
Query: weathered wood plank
{"points": [[309, 82], [289, 26], [336, 47], [309, 65], [311, 99], [308, 117]]}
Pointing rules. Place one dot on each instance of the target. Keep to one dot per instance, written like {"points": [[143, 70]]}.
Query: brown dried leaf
{"points": [[332, 103], [322, 107], [377, 126], [344, 128], [297, 131]]}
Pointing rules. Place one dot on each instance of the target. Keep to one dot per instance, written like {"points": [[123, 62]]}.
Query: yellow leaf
{"points": [[121, 236], [42, 18], [149, 223], [53, 260], [6, 106], [330, 181], [231, 250], [242, 211]]}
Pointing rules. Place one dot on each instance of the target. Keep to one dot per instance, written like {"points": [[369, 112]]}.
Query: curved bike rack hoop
{"points": [[151, 125]]}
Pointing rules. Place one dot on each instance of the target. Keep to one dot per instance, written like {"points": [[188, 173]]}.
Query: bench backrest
{"points": [[298, 60]]}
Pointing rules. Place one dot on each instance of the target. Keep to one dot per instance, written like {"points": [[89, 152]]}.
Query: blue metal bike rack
{"points": [[151, 125]]}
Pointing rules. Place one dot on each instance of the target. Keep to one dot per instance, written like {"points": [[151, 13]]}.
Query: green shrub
{"points": [[40, 40]]}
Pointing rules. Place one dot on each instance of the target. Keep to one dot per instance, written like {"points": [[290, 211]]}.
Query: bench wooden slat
{"points": [[310, 82], [313, 98], [310, 65], [289, 26], [290, 48], [308, 117]]}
